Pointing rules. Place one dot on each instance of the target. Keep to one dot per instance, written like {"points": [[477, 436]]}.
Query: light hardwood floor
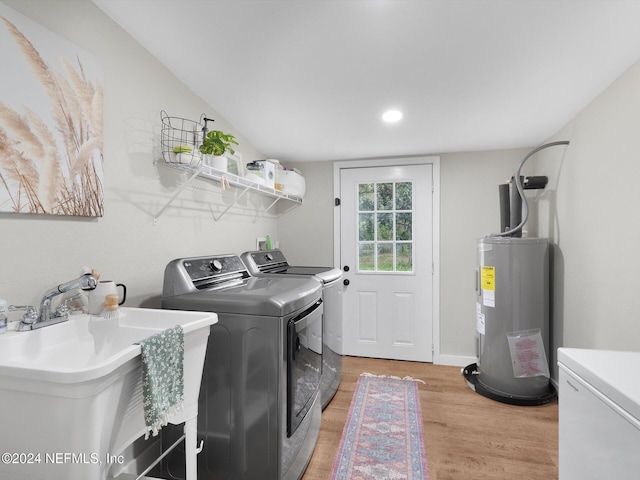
{"points": [[467, 436]]}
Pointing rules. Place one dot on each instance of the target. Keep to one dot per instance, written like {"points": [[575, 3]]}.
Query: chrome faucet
{"points": [[31, 320]]}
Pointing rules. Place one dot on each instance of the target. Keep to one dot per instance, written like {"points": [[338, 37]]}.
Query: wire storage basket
{"points": [[180, 139]]}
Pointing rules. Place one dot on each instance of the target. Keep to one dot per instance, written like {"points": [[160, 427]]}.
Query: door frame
{"points": [[434, 161]]}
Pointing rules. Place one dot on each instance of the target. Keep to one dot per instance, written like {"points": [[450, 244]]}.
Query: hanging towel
{"points": [[163, 377]]}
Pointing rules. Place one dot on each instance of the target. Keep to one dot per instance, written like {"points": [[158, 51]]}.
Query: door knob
{"points": [[346, 282]]}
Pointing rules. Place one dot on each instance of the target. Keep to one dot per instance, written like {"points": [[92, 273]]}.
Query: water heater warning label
{"points": [[488, 286], [488, 278]]}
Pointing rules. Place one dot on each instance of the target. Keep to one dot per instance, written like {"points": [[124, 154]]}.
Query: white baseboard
{"points": [[454, 360]]}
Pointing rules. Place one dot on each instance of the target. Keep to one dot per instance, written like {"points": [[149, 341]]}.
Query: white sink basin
{"points": [[76, 388], [83, 349]]}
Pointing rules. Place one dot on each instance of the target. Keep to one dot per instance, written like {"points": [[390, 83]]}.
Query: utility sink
{"points": [[71, 393]]}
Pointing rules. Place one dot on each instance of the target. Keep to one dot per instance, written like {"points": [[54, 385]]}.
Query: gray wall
{"points": [[590, 212], [39, 252], [306, 233], [469, 210]]}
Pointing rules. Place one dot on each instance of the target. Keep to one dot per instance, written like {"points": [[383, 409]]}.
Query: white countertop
{"points": [[613, 373]]}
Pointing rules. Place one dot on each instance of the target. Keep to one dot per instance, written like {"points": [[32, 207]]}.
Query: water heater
{"points": [[512, 320], [512, 303]]}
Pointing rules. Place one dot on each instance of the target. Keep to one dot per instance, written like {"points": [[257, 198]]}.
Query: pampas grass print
{"points": [[53, 170]]}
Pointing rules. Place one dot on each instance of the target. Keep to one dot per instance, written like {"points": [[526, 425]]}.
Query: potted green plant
{"points": [[214, 145]]}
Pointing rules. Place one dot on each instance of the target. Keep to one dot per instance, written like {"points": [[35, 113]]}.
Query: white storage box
{"points": [[292, 183]]}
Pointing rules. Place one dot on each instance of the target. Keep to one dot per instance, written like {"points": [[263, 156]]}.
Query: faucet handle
{"points": [[62, 310], [30, 316]]}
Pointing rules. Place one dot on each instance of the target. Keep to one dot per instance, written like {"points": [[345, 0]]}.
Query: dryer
{"points": [[259, 407], [273, 262]]}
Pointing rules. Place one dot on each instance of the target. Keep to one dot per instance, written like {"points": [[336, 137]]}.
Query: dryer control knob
{"points": [[216, 266], [269, 257]]}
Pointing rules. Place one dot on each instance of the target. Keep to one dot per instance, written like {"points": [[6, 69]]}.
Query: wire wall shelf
{"points": [[225, 179]]}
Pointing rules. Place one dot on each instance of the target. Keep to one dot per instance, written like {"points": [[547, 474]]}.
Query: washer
{"points": [[273, 262], [259, 406]]}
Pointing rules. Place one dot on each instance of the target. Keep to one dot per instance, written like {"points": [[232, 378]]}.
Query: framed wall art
{"points": [[51, 98]]}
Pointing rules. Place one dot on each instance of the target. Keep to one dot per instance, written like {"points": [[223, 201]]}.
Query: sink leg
{"points": [[191, 448]]}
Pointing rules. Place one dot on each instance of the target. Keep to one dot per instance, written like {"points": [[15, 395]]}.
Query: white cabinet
{"points": [[599, 415]]}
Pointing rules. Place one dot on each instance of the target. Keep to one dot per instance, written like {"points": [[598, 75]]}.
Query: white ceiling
{"points": [[307, 80]]}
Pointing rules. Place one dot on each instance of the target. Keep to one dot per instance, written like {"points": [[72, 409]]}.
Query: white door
{"points": [[386, 250]]}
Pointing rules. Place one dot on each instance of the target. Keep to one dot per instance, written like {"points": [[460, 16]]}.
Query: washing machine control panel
{"points": [[204, 268], [263, 261]]}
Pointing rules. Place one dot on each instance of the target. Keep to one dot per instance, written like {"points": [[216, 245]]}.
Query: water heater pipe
{"points": [[518, 181], [516, 208], [505, 206]]}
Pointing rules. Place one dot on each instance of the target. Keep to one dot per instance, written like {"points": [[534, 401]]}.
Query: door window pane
{"points": [[385, 227], [404, 196], [365, 197], [385, 196], [365, 227], [366, 260], [404, 225], [404, 257], [385, 257]]}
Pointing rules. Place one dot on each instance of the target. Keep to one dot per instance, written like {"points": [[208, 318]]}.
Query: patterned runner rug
{"points": [[382, 438]]}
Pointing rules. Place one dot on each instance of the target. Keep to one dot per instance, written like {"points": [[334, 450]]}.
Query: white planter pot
{"points": [[219, 163]]}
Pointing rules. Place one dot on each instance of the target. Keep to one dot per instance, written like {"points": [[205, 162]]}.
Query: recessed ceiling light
{"points": [[392, 116]]}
